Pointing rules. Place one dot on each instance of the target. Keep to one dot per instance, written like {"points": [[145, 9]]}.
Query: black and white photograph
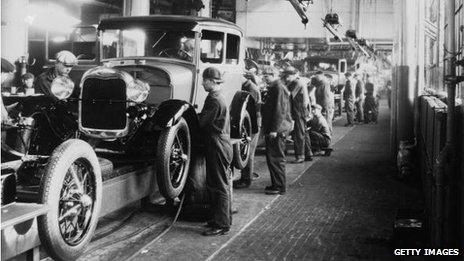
{"points": [[211, 130]]}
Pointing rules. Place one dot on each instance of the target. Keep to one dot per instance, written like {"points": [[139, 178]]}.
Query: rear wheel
{"points": [[173, 159], [242, 148], [72, 188]]}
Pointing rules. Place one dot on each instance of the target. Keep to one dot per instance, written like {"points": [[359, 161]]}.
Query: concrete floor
{"points": [[336, 208]]}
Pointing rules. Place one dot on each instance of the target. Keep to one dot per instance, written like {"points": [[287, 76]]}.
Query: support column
{"points": [[136, 7], [14, 29], [405, 67]]}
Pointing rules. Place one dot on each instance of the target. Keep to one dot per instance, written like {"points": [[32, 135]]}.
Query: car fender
{"points": [[242, 101], [169, 113]]}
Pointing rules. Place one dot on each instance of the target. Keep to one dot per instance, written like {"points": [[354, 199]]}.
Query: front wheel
{"points": [[173, 159], [72, 189], [242, 148]]}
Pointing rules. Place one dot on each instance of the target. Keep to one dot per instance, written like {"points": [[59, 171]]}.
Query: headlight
{"points": [[62, 87], [138, 91]]}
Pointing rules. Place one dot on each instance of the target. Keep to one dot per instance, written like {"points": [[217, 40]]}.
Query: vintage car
{"points": [[134, 125], [334, 69]]}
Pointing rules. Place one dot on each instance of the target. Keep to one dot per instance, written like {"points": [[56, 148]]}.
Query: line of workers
{"points": [[291, 105], [287, 108]]}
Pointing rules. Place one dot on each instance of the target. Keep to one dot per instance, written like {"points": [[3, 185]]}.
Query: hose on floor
{"points": [[126, 220], [162, 233]]}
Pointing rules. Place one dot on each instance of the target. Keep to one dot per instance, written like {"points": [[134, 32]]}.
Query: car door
{"points": [[223, 50], [211, 54]]}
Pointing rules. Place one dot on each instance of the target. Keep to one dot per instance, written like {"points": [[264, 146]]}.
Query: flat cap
{"points": [[66, 57], [213, 73]]}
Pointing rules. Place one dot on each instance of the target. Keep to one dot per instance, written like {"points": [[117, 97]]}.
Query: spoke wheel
{"points": [[71, 188], [242, 149], [173, 159], [77, 198]]}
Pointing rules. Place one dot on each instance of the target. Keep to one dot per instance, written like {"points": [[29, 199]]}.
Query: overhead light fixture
{"points": [[51, 17]]}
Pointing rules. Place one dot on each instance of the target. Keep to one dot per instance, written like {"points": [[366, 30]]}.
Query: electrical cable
{"points": [[138, 231], [116, 228], [126, 237], [162, 233]]}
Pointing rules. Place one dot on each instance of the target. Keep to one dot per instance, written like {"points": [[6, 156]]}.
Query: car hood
{"points": [[180, 72]]}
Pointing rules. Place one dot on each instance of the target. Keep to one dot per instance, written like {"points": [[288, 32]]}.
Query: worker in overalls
{"points": [[214, 123], [299, 102], [277, 123]]}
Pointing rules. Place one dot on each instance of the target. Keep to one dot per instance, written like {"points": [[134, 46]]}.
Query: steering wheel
{"points": [[176, 53]]}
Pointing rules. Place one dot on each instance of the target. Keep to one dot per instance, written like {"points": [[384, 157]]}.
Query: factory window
{"points": [[81, 41], [232, 49], [212, 46], [433, 57], [459, 40]]}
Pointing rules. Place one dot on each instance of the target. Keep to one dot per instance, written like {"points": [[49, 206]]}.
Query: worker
{"points": [[299, 101], [324, 97], [27, 81], [348, 96], [276, 125], [371, 105], [359, 98], [65, 61], [214, 123], [319, 132], [249, 85]]}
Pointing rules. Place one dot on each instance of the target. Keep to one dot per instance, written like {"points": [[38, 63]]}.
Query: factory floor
{"points": [[341, 207]]}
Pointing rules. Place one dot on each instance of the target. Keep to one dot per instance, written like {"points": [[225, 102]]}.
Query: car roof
{"points": [[163, 21]]}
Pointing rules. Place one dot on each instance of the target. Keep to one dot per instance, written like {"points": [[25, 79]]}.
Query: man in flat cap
{"points": [[319, 131], [348, 96], [215, 124], [276, 125], [324, 96], [299, 101], [65, 61], [359, 98]]}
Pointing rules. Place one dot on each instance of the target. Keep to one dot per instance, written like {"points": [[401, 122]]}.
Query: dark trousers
{"points": [[249, 168], [318, 141], [328, 115], [300, 138], [371, 109], [218, 184], [359, 110], [275, 158], [349, 107]]}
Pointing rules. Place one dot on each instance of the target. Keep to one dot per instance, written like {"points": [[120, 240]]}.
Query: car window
{"points": [[232, 49], [212, 44], [81, 41], [156, 42]]}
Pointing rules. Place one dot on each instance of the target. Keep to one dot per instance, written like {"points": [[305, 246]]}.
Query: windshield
{"points": [[178, 44]]}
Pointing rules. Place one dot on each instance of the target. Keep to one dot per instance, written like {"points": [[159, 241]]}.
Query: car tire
{"points": [[72, 189], [173, 159], [242, 148]]}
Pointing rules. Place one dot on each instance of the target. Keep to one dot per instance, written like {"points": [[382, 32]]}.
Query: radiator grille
{"points": [[103, 104]]}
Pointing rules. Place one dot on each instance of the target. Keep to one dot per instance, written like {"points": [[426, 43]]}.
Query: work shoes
{"points": [[327, 152], [299, 160], [216, 231], [308, 158], [240, 184], [269, 188]]}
